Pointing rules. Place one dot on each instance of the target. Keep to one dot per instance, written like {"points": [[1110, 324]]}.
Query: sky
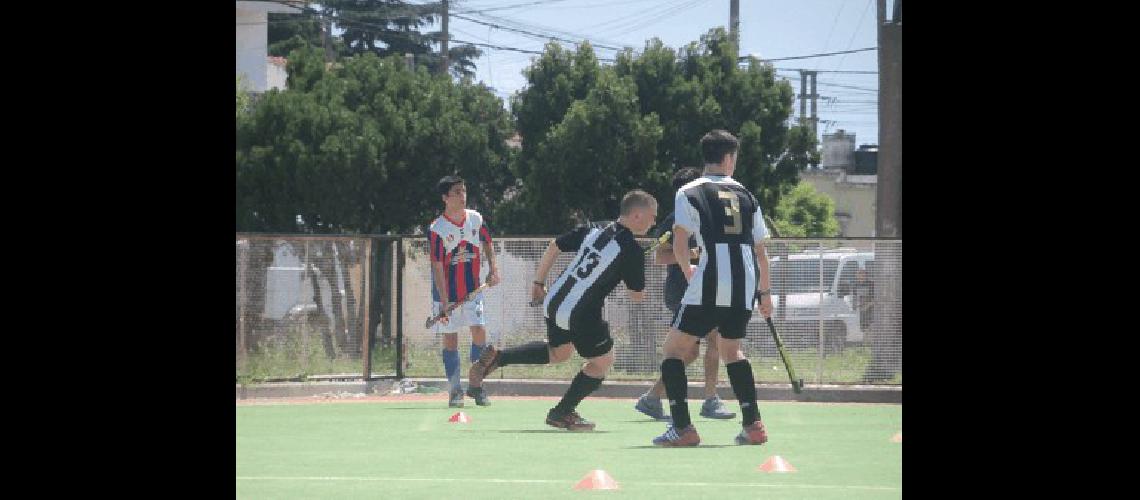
{"points": [[768, 29]]}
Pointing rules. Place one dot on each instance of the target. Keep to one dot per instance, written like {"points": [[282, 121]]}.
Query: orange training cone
{"points": [[597, 479], [897, 438], [459, 418], [776, 464]]}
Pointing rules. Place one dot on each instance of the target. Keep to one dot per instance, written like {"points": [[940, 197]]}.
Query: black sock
{"points": [[744, 386], [677, 389], [531, 353], [581, 387]]}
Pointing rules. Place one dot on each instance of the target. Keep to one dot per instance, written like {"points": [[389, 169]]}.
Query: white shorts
{"points": [[469, 314]]}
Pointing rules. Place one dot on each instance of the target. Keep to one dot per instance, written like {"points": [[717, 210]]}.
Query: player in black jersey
{"points": [[726, 221], [573, 307]]}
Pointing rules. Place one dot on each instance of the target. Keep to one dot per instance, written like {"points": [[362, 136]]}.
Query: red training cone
{"points": [[597, 479], [459, 418], [897, 438], [776, 464]]}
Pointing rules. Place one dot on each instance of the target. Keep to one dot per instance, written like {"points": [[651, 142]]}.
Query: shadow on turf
{"points": [[553, 431], [655, 447]]}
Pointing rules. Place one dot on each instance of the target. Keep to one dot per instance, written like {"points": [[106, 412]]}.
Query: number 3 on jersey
{"points": [[585, 269], [732, 210]]}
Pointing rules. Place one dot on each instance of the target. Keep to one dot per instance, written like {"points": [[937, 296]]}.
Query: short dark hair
{"points": [[684, 176], [636, 199], [716, 144], [444, 185]]}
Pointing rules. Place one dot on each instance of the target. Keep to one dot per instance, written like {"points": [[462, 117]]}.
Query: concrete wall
{"points": [[854, 196], [252, 36], [252, 41]]}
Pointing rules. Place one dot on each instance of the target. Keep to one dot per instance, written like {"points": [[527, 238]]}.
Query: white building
{"points": [[253, 44]]}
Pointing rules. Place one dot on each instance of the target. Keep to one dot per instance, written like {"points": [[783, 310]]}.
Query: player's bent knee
{"points": [[561, 353]]}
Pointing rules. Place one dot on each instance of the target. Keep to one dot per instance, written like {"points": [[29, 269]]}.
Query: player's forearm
{"points": [[440, 282], [665, 255], [489, 251], [762, 265], [681, 251], [547, 262]]}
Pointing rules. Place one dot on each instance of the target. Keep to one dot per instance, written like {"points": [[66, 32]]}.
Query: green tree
{"points": [[396, 27], [358, 148], [380, 27], [806, 213], [243, 98], [684, 94], [601, 148]]}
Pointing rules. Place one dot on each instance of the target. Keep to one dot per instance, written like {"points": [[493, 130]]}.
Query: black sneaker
{"points": [[479, 395]]}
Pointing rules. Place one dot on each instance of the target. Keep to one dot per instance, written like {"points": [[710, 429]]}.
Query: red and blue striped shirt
{"points": [[457, 245]]}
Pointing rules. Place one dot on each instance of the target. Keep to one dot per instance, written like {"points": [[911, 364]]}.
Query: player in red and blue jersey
{"points": [[457, 241]]}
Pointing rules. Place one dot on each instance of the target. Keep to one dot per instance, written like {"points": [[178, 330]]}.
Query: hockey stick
{"points": [[797, 384], [434, 319]]}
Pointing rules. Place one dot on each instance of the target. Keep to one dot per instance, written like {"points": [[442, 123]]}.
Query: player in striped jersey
{"points": [[573, 307], [675, 284], [730, 230], [454, 242]]}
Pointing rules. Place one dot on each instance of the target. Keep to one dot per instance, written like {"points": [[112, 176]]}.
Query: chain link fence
{"points": [[305, 303]]}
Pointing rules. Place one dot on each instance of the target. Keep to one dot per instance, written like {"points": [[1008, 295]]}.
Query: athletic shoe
{"points": [[651, 407], [487, 362], [673, 437], [479, 395], [752, 434], [571, 421], [714, 408], [456, 399]]}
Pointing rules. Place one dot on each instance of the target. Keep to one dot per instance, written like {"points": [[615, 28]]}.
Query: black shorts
{"points": [[591, 339], [698, 321]]}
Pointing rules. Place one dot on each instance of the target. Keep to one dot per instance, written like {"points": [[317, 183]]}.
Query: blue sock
{"points": [[476, 350], [451, 367]]}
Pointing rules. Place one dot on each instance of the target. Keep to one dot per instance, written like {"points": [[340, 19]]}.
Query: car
{"points": [[813, 290]]}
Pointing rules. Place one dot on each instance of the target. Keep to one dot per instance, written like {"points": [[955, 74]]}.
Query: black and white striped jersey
{"points": [[727, 222], [604, 257]]}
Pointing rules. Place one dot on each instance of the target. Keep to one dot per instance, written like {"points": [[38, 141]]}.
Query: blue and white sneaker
{"points": [[678, 437], [714, 408], [651, 407]]}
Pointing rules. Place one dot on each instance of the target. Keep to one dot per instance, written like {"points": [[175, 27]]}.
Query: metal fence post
{"points": [[819, 325], [366, 296], [401, 355]]}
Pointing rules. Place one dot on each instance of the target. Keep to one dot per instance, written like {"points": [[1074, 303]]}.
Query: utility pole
{"points": [[734, 23], [813, 120], [443, 46], [803, 101], [885, 334], [814, 97], [888, 223]]}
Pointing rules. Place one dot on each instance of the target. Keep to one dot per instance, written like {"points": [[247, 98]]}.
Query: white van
{"points": [[814, 287]]}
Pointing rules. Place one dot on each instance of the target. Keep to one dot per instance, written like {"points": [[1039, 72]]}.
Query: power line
{"points": [[832, 30], [851, 72], [638, 25], [640, 14], [533, 34], [858, 27], [547, 29], [825, 54], [505, 7]]}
